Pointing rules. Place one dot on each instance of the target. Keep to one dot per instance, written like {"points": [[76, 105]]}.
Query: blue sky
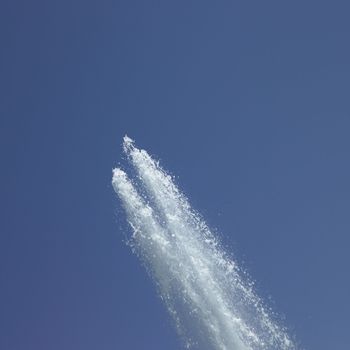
{"points": [[247, 103]]}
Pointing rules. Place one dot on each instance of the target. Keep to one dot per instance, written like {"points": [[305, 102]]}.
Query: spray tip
{"points": [[128, 144], [117, 174]]}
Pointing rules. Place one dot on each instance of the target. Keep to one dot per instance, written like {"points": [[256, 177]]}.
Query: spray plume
{"points": [[210, 299]]}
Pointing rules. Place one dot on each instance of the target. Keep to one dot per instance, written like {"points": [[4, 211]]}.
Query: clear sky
{"points": [[246, 102]]}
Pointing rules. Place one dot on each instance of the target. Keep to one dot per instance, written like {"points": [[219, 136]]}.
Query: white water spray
{"points": [[210, 299]]}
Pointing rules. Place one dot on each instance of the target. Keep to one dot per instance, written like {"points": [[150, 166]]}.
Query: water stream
{"points": [[211, 300]]}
